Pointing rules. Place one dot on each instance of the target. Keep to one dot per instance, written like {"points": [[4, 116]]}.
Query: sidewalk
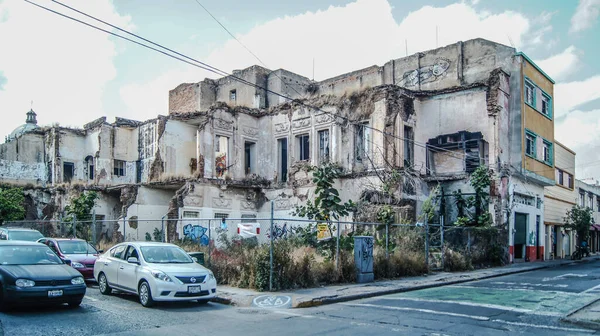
{"points": [[588, 317], [312, 297]]}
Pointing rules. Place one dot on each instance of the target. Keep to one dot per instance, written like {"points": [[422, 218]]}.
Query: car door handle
{"points": [[121, 267], [105, 264]]}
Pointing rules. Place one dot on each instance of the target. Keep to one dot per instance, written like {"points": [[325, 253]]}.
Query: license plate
{"points": [[55, 293], [194, 289]]}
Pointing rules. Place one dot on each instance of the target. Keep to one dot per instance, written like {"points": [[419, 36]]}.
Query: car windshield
{"points": [[25, 235], [165, 255], [28, 255], [76, 247]]}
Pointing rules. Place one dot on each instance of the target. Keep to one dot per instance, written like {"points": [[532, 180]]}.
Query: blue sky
{"points": [[74, 74]]}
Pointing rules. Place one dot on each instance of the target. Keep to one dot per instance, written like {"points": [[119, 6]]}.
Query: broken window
{"points": [[221, 152], [232, 95], [361, 141], [323, 146], [68, 171], [119, 168], [546, 105], [283, 159], [89, 162], [529, 93], [547, 155], [248, 157], [530, 143], [303, 147], [409, 146]]}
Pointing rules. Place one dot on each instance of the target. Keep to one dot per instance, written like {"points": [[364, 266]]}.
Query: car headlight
{"points": [[160, 275], [211, 276], [78, 281], [77, 265], [24, 283]]}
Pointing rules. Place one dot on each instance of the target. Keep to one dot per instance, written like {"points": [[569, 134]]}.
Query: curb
{"points": [[582, 323]]}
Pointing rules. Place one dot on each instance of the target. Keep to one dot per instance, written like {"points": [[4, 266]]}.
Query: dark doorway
{"points": [[520, 238], [68, 171], [283, 159]]}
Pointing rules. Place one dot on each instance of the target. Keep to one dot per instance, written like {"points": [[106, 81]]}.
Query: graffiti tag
{"points": [[196, 233]]}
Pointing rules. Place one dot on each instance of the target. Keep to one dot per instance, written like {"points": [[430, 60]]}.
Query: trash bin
{"points": [[363, 258], [199, 256]]}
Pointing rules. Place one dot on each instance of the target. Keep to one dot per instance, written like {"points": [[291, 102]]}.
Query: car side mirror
{"points": [[67, 261], [133, 260], [100, 251]]}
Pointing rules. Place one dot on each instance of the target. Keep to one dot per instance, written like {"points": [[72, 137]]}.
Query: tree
{"points": [[80, 209], [480, 181], [580, 219], [11, 204], [327, 205]]}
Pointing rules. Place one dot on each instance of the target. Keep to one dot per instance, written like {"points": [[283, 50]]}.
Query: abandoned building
{"points": [[227, 147]]}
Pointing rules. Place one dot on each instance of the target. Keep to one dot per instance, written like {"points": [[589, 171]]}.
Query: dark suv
{"points": [[13, 233]]}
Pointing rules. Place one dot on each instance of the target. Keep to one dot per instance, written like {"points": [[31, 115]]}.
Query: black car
{"points": [[32, 273]]}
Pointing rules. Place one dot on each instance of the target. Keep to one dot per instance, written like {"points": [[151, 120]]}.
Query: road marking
{"points": [[521, 324], [527, 284], [91, 298], [485, 305], [560, 277], [473, 317], [593, 289], [282, 312]]}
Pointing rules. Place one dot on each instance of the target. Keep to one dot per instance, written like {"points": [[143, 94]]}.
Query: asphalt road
{"points": [[527, 303]]}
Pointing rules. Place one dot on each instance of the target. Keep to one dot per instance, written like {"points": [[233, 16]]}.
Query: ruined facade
{"points": [[229, 146]]}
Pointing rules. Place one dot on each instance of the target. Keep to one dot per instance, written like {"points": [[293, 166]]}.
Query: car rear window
{"points": [[76, 247], [25, 235], [28, 255]]}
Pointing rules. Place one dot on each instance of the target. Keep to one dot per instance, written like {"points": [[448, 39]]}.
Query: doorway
{"points": [[520, 237]]}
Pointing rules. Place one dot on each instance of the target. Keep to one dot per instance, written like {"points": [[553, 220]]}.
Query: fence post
{"points": [[162, 229], [442, 240], [426, 242], [387, 240], [94, 227], [209, 239], [337, 248], [271, 250], [74, 227], [124, 226], [469, 241]]}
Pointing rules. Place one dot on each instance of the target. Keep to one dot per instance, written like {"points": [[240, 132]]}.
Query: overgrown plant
{"points": [[480, 181], [428, 208], [11, 204], [80, 209]]}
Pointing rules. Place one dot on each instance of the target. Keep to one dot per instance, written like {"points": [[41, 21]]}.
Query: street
{"points": [[526, 303]]}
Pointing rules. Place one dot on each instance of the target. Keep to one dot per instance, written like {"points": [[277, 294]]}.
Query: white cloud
{"points": [[585, 15], [59, 64], [563, 65], [580, 131], [568, 96], [343, 39]]}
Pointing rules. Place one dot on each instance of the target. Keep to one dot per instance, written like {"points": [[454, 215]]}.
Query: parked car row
{"points": [[34, 268]]}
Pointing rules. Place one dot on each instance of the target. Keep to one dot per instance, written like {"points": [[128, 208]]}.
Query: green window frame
{"points": [[529, 85], [549, 158], [548, 100], [533, 151]]}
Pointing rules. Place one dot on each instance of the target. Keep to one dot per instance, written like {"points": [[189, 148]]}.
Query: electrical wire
{"points": [[217, 71]]}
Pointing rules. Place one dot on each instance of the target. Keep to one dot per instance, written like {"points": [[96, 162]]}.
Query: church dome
{"points": [[29, 125]]}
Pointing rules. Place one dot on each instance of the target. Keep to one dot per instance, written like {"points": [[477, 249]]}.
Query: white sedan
{"points": [[155, 272]]}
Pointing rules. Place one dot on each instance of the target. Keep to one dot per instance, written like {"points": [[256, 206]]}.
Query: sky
{"points": [[72, 74]]}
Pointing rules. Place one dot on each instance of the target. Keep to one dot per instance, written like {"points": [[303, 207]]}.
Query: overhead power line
{"points": [[217, 71]]}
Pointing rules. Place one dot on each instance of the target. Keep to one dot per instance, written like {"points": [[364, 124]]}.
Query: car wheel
{"points": [[103, 285], [203, 301], [74, 304], [145, 294]]}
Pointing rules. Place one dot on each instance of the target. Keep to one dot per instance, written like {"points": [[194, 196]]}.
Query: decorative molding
{"points": [[223, 124], [282, 204], [193, 201], [282, 127], [250, 131], [248, 205], [301, 123], [323, 118], [223, 203]]}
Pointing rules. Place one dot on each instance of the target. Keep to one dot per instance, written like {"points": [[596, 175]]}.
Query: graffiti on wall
{"points": [[425, 74], [196, 233], [281, 231]]}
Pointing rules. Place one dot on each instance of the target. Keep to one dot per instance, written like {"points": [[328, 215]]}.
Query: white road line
{"points": [[473, 317], [473, 304], [595, 288], [282, 312], [91, 298], [521, 324]]}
